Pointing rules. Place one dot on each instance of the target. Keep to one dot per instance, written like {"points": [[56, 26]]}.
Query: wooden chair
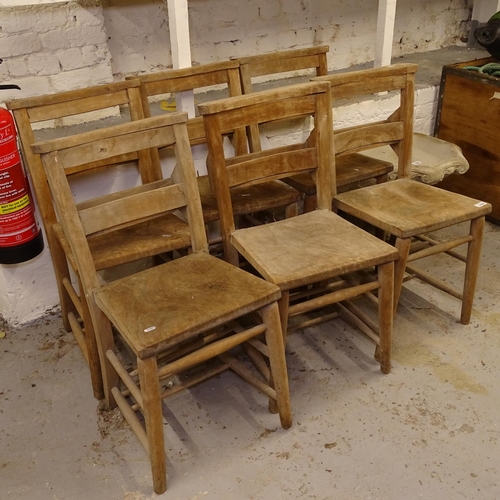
{"points": [[173, 316], [313, 58], [201, 78], [406, 208], [108, 250], [313, 247]]}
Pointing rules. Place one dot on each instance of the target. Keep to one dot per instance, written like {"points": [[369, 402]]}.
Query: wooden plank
{"points": [[30, 102], [132, 208], [367, 136], [287, 92], [274, 167], [471, 96]]}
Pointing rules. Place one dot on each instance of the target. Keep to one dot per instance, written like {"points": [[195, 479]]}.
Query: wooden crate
{"points": [[469, 116]]}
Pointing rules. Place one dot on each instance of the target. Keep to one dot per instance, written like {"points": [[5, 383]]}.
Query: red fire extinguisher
{"points": [[20, 235]]}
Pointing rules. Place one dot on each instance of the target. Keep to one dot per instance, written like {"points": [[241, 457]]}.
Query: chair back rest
{"points": [[397, 129], [195, 78], [286, 61], [314, 155], [129, 206], [34, 110]]}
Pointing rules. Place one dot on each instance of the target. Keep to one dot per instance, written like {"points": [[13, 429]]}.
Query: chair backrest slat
{"points": [[278, 166], [360, 138], [122, 212], [101, 149]]}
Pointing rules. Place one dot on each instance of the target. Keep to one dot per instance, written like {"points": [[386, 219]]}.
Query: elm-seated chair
{"points": [[201, 79], [173, 316], [97, 106], [405, 208], [311, 248], [283, 64]]}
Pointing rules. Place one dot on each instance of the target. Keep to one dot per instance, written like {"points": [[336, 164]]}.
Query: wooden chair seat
{"points": [[406, 208], [191, 295], [310, 248], [349, 169], [248, 199], [146, 239]]}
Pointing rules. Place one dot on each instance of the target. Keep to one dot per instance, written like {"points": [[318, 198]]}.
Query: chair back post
{"points": [[315, 155]]}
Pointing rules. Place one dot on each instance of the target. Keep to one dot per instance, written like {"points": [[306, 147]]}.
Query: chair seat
{"points": [[308, 248], [406, 208], [247, 199], [151, 237], [175, 301], [349, 168]]}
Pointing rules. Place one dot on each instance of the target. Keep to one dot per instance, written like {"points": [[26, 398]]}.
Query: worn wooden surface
{"points": [[471, 96], [191, 295], [407, 208], [309, 248], [165, 313]]}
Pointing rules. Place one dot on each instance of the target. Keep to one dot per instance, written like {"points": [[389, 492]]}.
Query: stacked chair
{"points": [[404, 208], [108, 250], [313, 247], [173, 316], [350, 169], [246, 201]]}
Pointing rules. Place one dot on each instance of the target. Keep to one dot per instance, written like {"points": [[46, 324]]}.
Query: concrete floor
{"points": [[430, 429]]}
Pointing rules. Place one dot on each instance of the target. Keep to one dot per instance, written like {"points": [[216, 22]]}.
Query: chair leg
{"points": [[472, 268], [309, 203], [279, 375], [283, 304], [291, 210], [92, 349], [105, 342], [61, 271], [385, 314], [150, 391], [403, 246]]}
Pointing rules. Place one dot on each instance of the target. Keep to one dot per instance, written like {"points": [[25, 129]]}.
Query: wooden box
{"points": [[469, 116]]}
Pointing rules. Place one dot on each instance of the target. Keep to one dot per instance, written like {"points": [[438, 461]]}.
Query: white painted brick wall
{"points": [[51, 48]]}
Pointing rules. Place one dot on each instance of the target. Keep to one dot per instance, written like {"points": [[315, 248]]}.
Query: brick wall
{"points": [[51, 48]]}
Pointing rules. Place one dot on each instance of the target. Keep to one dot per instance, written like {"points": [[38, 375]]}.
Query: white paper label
{"points": [[480, 204], [150, 329]]}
